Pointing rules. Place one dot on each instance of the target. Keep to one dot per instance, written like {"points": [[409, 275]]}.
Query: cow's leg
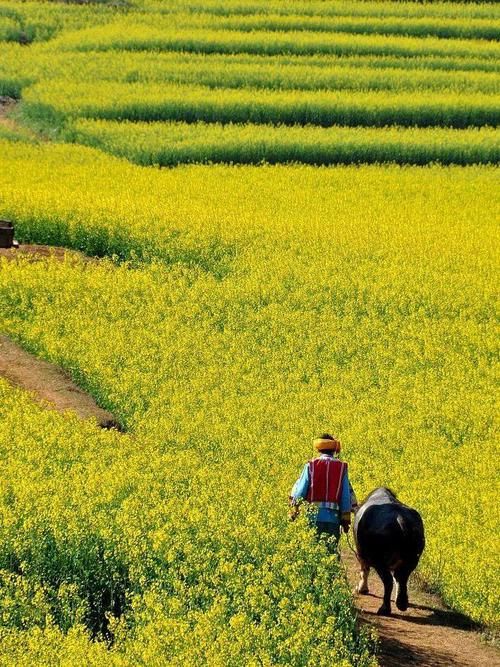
{"points": [[401, 575], [385, 574], [362, 586]]}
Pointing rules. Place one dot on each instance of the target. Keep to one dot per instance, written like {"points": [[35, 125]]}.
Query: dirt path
{"points": [[49, 383], [39, 252], [427, 635]]}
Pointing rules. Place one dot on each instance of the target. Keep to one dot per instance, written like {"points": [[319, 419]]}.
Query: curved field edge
{"points": [[126, 227], [352, 321]]}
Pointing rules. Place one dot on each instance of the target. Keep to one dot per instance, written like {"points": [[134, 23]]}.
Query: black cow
{"points": [[390, 538]]}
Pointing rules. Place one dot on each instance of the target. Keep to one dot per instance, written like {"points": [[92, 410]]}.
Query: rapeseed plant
{"points": [[236, 310]]}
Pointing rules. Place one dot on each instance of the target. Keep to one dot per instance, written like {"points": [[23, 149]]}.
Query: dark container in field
{"points": [[6, 234]]}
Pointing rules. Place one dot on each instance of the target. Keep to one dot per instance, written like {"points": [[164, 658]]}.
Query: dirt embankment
{"points": [[49, 384], [427, 635]]}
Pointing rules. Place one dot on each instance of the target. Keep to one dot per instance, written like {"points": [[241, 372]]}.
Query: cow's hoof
{"points": [[361, 591], [384, 611], [402, 605]]}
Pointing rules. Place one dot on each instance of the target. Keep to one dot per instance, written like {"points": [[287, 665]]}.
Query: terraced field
{"points": [[325, 66], [327, 261]]}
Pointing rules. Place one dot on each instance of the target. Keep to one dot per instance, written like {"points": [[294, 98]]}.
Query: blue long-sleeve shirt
{"points": [[325, 512]]}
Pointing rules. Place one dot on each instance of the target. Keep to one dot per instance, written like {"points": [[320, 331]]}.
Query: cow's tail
{"points": [[402, 524], [412, 531]]}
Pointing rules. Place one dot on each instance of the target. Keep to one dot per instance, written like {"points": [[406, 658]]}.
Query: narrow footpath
{"points": [[427, 635]]}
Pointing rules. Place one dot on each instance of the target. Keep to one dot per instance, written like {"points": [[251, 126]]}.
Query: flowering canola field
{"points": [[237, 311]]}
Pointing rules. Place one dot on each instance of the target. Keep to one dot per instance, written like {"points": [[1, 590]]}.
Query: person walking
{"points": [[324, 482]]}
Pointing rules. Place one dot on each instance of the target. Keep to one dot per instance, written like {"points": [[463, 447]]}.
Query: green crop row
{"points": [[168, 144], [136, 101], [40, 21], [421, 27], [373, 8], [227, 71], [126, 36], [20, 67], [416, 27], [128, 67], [9, 29]]}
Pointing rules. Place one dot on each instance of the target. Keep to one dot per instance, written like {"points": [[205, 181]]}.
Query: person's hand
{"points": [[345, 526], [294, 509]]}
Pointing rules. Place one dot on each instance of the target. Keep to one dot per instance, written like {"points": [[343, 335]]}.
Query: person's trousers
{"points": [[328, 528]]}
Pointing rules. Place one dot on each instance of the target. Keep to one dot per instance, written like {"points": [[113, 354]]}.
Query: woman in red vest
{"points": [[324, 482]]}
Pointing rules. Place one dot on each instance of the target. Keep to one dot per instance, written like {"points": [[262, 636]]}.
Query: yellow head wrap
{"points": [[327, 445]]}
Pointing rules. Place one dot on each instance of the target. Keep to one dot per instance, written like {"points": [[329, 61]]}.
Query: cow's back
{"points": [[388, 533]]}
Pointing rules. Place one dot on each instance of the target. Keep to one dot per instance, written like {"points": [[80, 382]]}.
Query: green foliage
{"points": [[127, 36], [138, 101], [168, 144], [27, 66], [41, 21], [386, 25], [239, 71], [369, 8]]}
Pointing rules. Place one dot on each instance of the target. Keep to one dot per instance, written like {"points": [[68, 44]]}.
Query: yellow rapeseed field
{"points": [[237, 311]]}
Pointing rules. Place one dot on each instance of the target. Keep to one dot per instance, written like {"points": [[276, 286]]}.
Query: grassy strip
{"points": [[265, 75], [168, 144], [115, 101], [125, 36], [10, 29], [422, 27]]}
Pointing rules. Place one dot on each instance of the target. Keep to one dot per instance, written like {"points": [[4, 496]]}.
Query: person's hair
{"points": [[326, 436]]}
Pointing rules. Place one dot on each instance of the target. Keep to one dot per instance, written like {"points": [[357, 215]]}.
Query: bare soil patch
{"points": [[49, 384], [7, 104], [427, 635], [40, 252], [9, 121]]}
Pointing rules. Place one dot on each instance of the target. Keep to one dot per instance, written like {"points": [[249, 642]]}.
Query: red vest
{"points": [[325, 480]]}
